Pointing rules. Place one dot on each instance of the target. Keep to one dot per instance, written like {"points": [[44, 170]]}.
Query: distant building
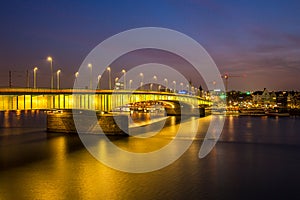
{"points": [[295, 101], [273, 98], [281, 100], [264, 98]]}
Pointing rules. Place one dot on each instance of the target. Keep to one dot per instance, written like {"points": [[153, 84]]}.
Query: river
{"points": [[255, 158]]}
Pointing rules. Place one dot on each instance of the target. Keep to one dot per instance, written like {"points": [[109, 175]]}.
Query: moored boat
{"points": [[252, 112], [278, 113]]}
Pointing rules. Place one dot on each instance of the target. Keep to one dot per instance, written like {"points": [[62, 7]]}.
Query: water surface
{"points": [[256, 157]]}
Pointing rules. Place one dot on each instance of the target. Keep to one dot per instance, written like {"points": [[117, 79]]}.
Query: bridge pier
{"points": [[63, 122]]}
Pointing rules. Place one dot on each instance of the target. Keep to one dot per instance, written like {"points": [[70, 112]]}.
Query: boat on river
{"points": [[252, 112], [278, 113]]}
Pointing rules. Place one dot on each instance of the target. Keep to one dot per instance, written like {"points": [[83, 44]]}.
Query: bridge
{"points": [[104, 100]]}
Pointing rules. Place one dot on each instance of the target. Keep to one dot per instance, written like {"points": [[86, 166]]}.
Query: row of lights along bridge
{"points": [[189, 88]]}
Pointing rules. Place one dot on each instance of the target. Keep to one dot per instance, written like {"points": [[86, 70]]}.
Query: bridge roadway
{"points": [[104, 100]]}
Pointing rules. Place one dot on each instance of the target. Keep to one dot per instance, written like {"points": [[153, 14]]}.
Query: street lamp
{"points": [[124, 72], [166, 80], [76, 76], [130, 83], [142, 79], [57, 74], [49, 59], [151, 86], [188, 88], [155, 79], [181, 84], [174, 82], [99, 79], [34, 77], [91, 75], [109, 77], [116, 81]]}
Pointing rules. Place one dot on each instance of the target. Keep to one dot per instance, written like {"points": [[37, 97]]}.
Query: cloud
{"points": [[269, 40]]}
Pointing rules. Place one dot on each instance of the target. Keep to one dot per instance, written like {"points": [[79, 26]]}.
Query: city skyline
{"points": [[255, 40]]}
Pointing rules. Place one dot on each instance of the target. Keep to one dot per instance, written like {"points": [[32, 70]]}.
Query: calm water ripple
{"points": [[256, 157]]}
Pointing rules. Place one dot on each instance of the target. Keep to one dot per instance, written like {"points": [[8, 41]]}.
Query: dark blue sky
{"points": [[260, 39]]}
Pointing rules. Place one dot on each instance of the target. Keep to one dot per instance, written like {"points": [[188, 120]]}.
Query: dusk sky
{"points": [[257, 40]]}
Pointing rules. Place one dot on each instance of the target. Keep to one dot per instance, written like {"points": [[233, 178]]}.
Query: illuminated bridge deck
{"points": [[105, 100]]}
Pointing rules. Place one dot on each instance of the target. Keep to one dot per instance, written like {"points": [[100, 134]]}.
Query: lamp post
{"points": [[34, 77], [187, 88], [109, 77], [124, 72], [198, 92], [181, 84], [99, 79], [155, 79], [142, 79], [49, 59], [174, 82], [91, 75], [166, 80], [116, 81], [130, 83], [57, 74], [76, 76]]}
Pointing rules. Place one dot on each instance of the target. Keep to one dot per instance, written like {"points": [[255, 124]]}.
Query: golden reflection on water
{"points": [[63, 169], [72, 175], [230, 131], [188, 128], [6, 119], [149, 144], [249, 124], [18, 114], [58, 148]]}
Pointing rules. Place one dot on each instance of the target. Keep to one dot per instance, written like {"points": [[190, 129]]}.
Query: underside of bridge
{"points": [[170, 107]]}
